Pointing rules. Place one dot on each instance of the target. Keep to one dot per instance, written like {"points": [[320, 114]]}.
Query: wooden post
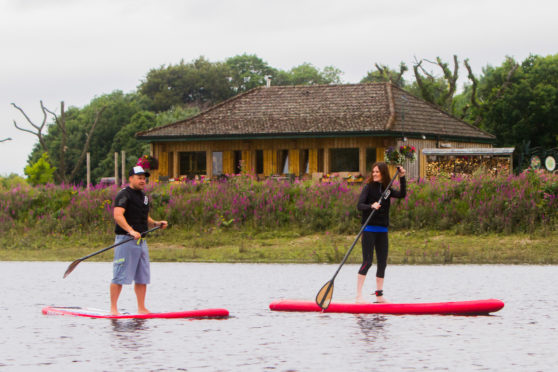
{"points": [[175, 165], [116, 168], [209, 163], [362, 160], [326, 160], [88, 162], [123, 154]]}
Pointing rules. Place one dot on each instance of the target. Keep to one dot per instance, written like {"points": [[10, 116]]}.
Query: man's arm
{"points": [[151, 222], [121, 221]]}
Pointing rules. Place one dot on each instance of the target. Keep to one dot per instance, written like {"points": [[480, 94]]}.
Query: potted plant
{"points": [[398, 156], [408, 152], [148, 162]]}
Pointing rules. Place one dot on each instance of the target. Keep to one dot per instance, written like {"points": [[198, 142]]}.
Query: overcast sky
{"points": [[74, 50]]}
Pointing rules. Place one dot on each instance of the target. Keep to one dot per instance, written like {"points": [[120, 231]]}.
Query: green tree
{"points": [[247, 72], [307, 74], [384, 74], [438, 90], [519, 102], [125, 140], [41, 172], [175, 114], [12, 181], [118, 110], [200, 82]]}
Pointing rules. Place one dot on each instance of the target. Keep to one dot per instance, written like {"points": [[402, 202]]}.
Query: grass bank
{"points": [[282, 246]]}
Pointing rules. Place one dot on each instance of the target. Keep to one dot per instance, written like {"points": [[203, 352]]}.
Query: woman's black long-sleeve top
{"points": [[371, 193]]}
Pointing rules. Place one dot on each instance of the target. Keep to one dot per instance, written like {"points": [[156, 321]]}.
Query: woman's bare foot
{"points": [[143, 311], [381, 300], [360, 300]]}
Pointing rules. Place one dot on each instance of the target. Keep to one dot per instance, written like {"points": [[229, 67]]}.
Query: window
{"points": [[217, 163], [343, 160], [192, 163], [370, 158], [237, 162], [283, 161], [303, 161], [259, 162]]}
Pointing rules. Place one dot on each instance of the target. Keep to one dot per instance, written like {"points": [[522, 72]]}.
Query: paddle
{"points": [[76, 262], [323, 298]]}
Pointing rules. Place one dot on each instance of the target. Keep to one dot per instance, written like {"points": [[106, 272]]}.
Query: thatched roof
{"points": [[319, 110]]}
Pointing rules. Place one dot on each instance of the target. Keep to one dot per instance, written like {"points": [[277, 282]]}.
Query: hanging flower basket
{"points": [[393, 156], [397, 157], [148, 162], [408, 152]]}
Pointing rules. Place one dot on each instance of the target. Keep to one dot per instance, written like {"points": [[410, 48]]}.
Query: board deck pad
{"points": [[96, 313], [478, 307]]}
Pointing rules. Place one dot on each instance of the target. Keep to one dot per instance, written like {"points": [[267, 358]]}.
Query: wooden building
{"points": [[305, 131]]}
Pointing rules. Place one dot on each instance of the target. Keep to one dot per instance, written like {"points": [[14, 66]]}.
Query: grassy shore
{"points": [[287, 246]]}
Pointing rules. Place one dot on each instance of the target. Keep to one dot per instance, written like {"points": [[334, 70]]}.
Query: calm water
{"points": [[522, 337]]}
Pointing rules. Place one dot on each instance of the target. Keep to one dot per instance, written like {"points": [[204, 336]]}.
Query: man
{"points": [[131, 259]]}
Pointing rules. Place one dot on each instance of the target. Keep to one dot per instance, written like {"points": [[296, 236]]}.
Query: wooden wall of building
{"points": [[318, 153]]}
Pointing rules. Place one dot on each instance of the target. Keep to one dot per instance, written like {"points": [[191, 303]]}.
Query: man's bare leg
{"points": [[140, 290], [115, 290]]}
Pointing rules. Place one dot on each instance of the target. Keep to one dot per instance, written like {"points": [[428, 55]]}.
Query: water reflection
{"points": [[129, 325], [372, 326], [129, 332]]}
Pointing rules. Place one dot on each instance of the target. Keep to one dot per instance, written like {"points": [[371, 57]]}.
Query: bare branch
{"points": [[507, 83], [450, 78], [39, 129], [87, 142], [420, 82], [474, 82]]}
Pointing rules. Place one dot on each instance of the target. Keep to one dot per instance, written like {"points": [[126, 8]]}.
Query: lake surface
{"points": [[522, 336]]}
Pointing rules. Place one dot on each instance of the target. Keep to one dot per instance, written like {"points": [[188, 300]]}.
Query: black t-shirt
{"points": [[371, 193], [136, 205]]}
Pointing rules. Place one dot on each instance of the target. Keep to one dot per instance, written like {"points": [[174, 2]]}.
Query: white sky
{"points": [[74, 50]]}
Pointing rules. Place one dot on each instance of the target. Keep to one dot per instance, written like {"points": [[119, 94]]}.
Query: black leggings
{"points": [[379, 241]]}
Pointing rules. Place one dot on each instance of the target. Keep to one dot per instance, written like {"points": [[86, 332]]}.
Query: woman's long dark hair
{"points": [[384, 172]]}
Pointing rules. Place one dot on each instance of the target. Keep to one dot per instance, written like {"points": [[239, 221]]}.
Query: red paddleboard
{"points": [[95, 313], [479, 307]]}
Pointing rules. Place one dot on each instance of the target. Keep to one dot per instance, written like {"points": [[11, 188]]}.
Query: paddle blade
{"points": [[71, 268], [324, 295]]}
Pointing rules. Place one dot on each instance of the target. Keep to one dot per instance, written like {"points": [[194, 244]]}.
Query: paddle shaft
{"points": [[384, 196], [73, 265], [117, 244]]}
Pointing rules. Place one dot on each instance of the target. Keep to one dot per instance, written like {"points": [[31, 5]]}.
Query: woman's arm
{"points": [[402, 192], [362, 205]]}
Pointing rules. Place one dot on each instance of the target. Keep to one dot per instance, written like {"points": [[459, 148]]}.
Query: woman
{"points": [[375, 234]]}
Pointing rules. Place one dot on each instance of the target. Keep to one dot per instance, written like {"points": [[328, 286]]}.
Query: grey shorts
{"points": [[131, 262]]}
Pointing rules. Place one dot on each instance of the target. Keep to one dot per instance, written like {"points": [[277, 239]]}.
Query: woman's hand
{"points": [[376, 205], [402, 171]]}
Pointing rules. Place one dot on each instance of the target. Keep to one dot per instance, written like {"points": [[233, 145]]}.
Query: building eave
{"points": [[259, 136]]}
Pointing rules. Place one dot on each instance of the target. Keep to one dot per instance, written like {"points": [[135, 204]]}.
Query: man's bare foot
{"points": [[143, 311], [114, 312]]}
